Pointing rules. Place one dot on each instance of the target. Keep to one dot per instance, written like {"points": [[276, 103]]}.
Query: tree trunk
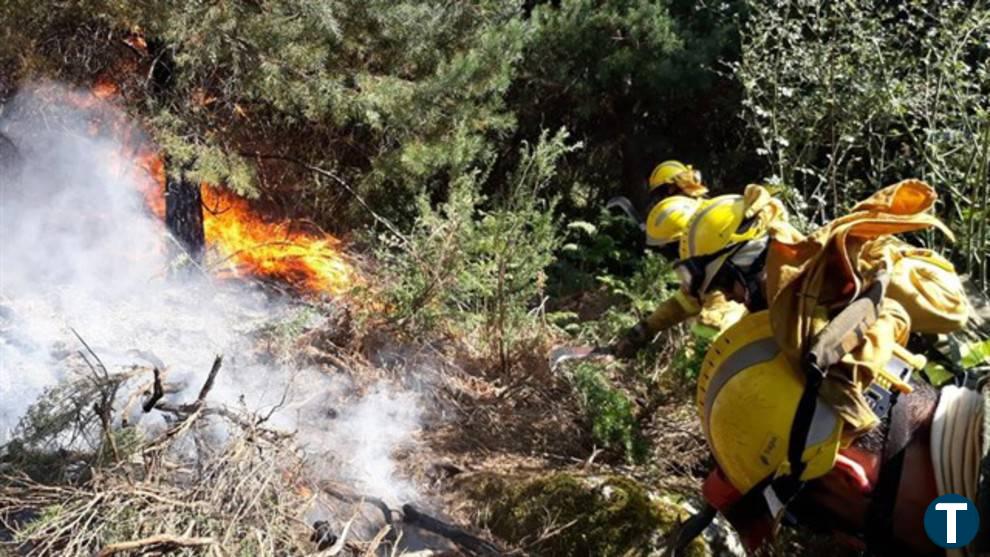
{"points": [[184, 215]]}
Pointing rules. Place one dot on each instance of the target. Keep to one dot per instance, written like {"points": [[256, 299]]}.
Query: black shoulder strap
{"points": [[881, 510]]}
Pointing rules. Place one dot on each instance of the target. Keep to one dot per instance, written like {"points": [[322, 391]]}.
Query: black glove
{"points": [[632, 341]]}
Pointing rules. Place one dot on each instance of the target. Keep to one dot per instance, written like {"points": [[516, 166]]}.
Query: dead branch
{"points": [[276, 408], [209, 380], [107, 387], [103, 410], [106, 374], [466, 541], [156, 394], [244, 482], [185, 411], [153, 397], [161, 541], [372, 548], [189, 413]]}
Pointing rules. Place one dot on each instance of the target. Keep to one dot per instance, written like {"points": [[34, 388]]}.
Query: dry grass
{"points": [[214, 481], [238, 500]]}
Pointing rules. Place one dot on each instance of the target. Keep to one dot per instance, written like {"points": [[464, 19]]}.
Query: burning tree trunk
{"points": [[184, 214]]}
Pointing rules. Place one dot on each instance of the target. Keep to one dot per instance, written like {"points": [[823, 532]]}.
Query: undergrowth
{"points": [[609, 411]]}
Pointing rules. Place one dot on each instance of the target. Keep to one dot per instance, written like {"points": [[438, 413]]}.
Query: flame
{"points": [[245, 243], [249, 244], [241, 242], [151, 181]]}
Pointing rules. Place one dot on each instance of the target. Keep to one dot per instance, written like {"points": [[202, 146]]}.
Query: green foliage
{"points": [[590, 249], [62, 416], [60, 436], [977, 353], [635, 297], [474, 266], [687, 362], [634, 80], [609, 410], [395, 98], [903, 94], [951, 355], [281, 335]]}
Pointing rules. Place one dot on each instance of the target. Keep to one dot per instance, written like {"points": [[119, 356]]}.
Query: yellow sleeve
{"points": [[672, 311], [718, 313]]}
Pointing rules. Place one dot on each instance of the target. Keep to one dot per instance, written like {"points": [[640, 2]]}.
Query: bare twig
{"points": [[372, 548], [103, 368], [217, 362], [161, 541]]}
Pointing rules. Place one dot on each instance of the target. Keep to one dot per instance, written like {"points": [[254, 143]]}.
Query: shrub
{"points": [[905, 93], [609, 411], [635, 81], [474, 267]]}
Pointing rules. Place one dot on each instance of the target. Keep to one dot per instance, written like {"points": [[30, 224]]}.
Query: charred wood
{"points": [[184, 215]]}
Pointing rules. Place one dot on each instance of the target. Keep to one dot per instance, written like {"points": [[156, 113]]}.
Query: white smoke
{"points": [[80, 251]]}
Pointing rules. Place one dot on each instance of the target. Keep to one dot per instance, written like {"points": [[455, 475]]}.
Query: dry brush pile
{"points": [[212, 479], [83, 478]]}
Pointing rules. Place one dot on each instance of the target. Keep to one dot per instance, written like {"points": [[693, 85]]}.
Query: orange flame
{"points": [[245, 243], [250, 244]]}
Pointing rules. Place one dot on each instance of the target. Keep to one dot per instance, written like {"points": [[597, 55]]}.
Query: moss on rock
{"points": [[567, 514]]}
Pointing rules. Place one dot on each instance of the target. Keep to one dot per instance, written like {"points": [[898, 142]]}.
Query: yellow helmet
{"points": [[719, 231], [765, 422], [682, 176], [747, 398], [719, 223], [669, 218]]}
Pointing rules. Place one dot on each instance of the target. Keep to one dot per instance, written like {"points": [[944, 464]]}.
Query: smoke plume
{"points": [[80, 251]]}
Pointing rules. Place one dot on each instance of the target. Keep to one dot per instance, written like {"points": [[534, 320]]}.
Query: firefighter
{"points": [[808, 403], [675, 191], [728, 236]]}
